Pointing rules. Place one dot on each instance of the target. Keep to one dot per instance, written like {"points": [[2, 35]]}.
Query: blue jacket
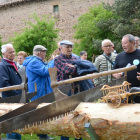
{"points": [[9, 77], [51, 63], [37, 72], [85, 67]]}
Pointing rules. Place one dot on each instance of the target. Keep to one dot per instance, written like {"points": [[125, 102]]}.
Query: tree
{"points": [[107, 21], [88, 32], [40, 32], [129, 13]]}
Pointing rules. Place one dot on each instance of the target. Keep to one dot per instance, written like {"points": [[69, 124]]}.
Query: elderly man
{"points": [[8, 71], [9, 76], [63, 63], [67, 65], [37, 72], [137, 42], [126, 57], [105, 62]]}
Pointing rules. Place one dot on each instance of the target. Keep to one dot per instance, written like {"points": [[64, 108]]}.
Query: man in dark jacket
{"points": [[8, 71], [9, 76]]}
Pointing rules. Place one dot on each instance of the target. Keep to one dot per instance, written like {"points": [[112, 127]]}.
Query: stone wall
{"points": [[12, 15]]}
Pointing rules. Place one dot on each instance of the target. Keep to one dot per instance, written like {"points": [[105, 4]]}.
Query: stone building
{"points": [[13, 12]]}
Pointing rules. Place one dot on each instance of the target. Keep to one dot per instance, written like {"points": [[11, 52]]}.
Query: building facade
{"points": [[13, 12]]}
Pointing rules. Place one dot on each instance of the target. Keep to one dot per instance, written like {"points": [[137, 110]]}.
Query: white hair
{"points": [[104, 41], [4, 47], [36, 53]]}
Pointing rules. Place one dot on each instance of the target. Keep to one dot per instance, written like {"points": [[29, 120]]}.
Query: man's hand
{"points": [[138, 77], [70, 65], [117, 75]]}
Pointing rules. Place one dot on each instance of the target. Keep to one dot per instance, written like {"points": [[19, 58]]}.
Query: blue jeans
{"points": [[13, 136]]}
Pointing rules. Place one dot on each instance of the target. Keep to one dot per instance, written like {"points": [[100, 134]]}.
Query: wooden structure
{"points": [[116, 95]]}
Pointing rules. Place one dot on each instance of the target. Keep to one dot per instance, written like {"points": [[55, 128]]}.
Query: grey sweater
{"points": [[103, 64]]}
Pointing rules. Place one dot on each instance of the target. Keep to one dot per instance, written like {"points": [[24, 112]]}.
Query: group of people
{"points": [[36, 71], [68, 65], [110, 60]]}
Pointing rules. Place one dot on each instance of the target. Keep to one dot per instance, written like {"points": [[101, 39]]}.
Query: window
{"points": [[56, 8]]}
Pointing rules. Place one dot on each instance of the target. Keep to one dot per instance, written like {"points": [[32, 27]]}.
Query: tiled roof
{"points": [[13, 2]]}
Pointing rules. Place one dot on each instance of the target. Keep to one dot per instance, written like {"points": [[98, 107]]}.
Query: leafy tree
{"points": [[88, 31], [39, 32], [129, 13]]}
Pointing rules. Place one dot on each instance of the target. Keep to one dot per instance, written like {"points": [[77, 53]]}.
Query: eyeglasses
{"points": [[108, 46], [68, 46]]}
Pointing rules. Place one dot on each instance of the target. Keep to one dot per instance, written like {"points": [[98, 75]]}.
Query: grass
{"points": [[34, 137]]}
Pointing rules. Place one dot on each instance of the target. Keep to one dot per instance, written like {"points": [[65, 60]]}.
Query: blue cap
{"points": [[66, 42]]}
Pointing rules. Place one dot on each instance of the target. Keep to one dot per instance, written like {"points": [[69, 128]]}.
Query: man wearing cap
{"points": [[37, 72], [64, 66], [64, 61]]}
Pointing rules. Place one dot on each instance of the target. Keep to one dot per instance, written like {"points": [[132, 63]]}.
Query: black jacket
{"points": [[9, 77]]}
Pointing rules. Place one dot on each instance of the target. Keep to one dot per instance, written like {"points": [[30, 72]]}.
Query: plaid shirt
{"points": [[63, 70]]}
